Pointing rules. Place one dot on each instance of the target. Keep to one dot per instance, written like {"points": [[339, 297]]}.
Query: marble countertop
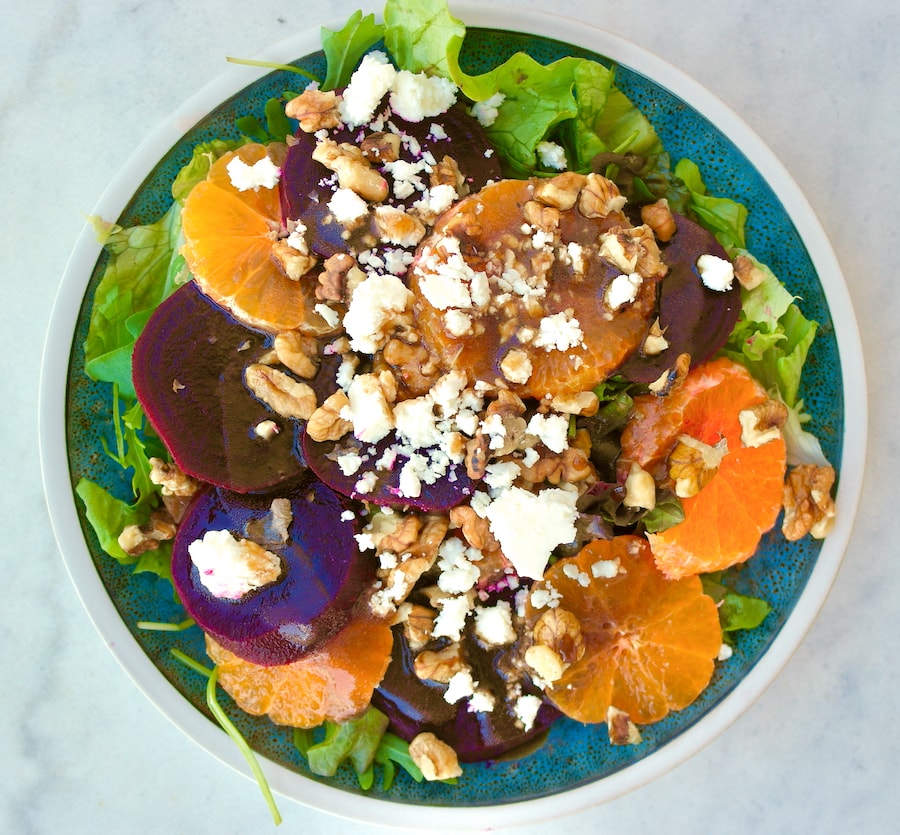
{"points": [[83, 83]]}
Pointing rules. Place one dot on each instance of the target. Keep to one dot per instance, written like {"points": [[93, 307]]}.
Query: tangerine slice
{"points": [[490, 231], [228, 249], [334, 683], [649, 642], [726, 519]]}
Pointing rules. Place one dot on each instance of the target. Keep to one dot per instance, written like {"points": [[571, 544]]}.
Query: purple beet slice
{"points": [[307, 186], [696, 320], [323, 573], [414, 705], [188, 367], [322, 458]]}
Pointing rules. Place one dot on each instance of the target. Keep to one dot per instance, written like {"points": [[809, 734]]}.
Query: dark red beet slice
{"points": [[306, 188], [322, 578], [448, 491], [697, 320], [414, 705], [188, 369]]}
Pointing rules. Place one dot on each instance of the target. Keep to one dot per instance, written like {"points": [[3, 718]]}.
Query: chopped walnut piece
{"points": [[658, 216], [693, 463], [402, 535], [546, 662], [640, 488], [599, 197], [280, 392], [352, 168], [295, 264], [560, 630], [477, 452], [583, 403], [446, 173], [808, 505], [560, 192], [381, 147], [545, 218], [417, 623], [326, 423], [671, 377], [138, 539], [340, 276], [439, 665], [475, 530], [748, 274], [762, 423], [413, 364], [622, 731], [571, 466], [655, 342], [171, 479], [436, 759], [314, 109], [398, 227], [295, 352]]}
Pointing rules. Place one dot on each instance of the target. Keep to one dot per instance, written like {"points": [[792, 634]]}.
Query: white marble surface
{"points": [[82, 83]]}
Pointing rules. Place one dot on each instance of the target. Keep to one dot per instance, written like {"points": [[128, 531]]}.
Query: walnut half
{"points": [[436, 759], [808, 506]]}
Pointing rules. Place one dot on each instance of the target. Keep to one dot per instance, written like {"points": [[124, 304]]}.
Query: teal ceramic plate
{"points": [[576, 767]]}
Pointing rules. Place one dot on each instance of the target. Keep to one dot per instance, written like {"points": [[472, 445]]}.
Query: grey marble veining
{"points": [[82, 83]]}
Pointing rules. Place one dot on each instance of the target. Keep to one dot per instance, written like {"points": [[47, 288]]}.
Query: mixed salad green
{"points": [[574, 104]]}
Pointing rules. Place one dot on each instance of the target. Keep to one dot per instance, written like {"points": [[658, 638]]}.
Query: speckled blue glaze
{"points": [[573, 754]]}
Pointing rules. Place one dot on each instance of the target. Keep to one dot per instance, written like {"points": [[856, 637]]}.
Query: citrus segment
{"points": [[649, 642], [229, 236], [334, 683], [736, 503]]}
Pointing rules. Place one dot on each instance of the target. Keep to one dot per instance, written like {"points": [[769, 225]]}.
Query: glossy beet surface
{"points": [[307, 186], [414, 705], [446, 492], [188, 374], [696, 320], [323, 573]]}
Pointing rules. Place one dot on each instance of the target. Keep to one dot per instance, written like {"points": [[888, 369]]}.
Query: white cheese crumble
{"points": [[451, 618], [266, 429], [329, 314], [716, 273], [416, 96], [481, 701], [369, 411], [552, 155], [606, 569], [526, 709], [623, 289], [560, 331], [573, 573], [347, 206], [493, 624], [552, 430], [368, 85], [262, 174], [230, 567], [375, 306], [461, 686], [486, 111], [458, 574], [528, 547]]}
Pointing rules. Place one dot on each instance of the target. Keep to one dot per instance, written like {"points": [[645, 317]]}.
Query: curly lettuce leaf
{"points": [[144, 268], [723, 217], [345, 47]]}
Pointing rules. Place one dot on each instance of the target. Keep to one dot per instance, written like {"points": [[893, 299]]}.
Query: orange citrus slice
{"points": [[649, 642], [742, 497], [229, 236], [334, 683]]}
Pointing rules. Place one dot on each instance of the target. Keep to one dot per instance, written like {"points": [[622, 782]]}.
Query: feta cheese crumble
{"points": [[262, 174], [715, 273], [560, 331], [230, 567], [552, 155], [376, 304], [622, 290]]}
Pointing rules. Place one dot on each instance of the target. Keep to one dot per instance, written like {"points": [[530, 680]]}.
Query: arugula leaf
{"points": [[723, 217], [107, 516], [736, 611], [143, 269], [344, 48], [422, 36]]}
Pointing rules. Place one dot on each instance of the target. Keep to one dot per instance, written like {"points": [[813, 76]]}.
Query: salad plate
{"points": [[576, 767]]}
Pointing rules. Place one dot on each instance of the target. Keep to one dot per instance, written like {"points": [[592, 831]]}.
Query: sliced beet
{"points": [[414, 705], [323, 573], [696, 320], [322, 458], [188, 369], [307, 186]]}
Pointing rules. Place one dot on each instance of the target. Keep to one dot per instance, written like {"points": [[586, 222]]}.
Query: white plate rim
{"points": [[61, 500]]}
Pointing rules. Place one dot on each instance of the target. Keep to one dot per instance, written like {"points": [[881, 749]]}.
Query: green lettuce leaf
{"points": [[202, 158], [144, 268], [422, 36], [345, 47], [723, 217], [736, 611]]}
